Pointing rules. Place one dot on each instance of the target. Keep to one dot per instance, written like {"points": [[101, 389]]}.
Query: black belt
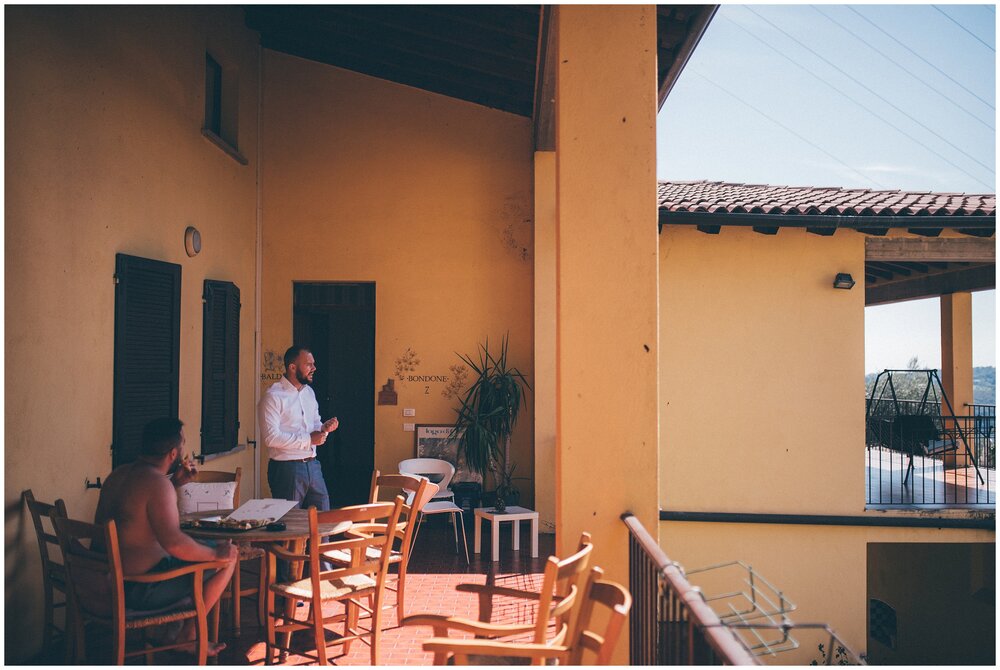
{"points": [[296, 460]]}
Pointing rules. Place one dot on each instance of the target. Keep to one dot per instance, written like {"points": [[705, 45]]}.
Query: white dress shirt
{"points": [[287, 416]]}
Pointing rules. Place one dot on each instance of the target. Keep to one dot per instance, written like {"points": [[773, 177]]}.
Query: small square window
{"points": [[221, 125], [213, 95]]}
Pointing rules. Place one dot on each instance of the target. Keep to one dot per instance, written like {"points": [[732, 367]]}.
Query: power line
{"points": [[860, 104], [873, 92], [901, 67], [974, 36], [786, 128], [939, 70]]}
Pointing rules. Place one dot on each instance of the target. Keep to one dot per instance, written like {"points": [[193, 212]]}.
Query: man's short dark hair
{"points": [[159, 436], [293, 353]]}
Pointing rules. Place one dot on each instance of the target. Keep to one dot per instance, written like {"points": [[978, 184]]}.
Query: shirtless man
{"points": [[141, 499]]}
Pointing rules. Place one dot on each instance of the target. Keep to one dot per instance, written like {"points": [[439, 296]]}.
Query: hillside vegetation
{"points": [[911, 387]]}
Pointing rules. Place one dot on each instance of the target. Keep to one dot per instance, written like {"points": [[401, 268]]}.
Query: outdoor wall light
{"points": [[843, 280], [192, 241]]}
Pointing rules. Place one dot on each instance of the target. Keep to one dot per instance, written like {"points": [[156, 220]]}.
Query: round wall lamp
{"points": [[843, 280], [192, 241]]}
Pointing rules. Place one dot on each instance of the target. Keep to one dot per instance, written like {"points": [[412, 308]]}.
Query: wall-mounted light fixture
{"points": [[843, 280], [192, 241]]}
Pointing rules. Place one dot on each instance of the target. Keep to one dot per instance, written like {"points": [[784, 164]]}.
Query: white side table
{"points": [[513, 514]]}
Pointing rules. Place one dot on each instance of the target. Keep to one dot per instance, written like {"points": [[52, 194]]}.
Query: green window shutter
{"points": [[220, 367], [147, 349]]}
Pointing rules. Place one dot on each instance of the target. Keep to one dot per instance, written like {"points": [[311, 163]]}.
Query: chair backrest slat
{"points": [[95, 577], [382, 538], [586, 637], [428, 466], [559, 591], [40, 511]]}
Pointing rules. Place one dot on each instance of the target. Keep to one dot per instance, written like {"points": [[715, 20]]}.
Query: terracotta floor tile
{"points": [[434, 572]]}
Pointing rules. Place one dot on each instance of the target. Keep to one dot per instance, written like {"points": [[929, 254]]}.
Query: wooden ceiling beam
{"points": [[944, 249], [900, 269], [445, 27], [509, 101], [368, 40], [877, 270], [978, 278], [516, 21]]}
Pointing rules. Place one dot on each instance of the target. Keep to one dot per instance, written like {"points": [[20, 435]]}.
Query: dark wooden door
{"points": [[337, 322]]}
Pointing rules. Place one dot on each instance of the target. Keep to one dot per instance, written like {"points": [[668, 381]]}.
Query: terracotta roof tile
{"points": [[722, 197]]}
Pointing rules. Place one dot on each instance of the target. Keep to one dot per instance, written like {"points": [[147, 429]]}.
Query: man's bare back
{"points": [[133, 496]]}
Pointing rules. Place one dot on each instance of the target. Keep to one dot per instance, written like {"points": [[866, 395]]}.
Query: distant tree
{"points": [[908, 385]]}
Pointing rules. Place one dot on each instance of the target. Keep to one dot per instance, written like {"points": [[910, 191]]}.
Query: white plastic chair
{"points": [[438, 471], [446, 507]]}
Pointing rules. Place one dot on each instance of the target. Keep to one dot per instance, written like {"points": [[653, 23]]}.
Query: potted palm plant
{"points": [[487, 415]]}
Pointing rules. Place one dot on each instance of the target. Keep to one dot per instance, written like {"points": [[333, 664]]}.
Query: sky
{"points": [[859, 96]]}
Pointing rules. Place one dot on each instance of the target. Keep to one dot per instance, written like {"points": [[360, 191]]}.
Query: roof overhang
{"points": [[825, 224], [499, 56]]}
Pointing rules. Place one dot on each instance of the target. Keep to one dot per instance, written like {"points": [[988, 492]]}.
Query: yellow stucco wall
{"points": [[428, 197], [822, 569], [762, 368], [762, 411], [104, 154]]}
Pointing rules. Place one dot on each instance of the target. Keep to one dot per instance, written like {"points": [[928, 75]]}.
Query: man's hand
{"points": [[226, 551], [317, 438], [186, 473], [331, 425]]}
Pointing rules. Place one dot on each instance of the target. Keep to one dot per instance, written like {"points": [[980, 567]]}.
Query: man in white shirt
{"points": [[291, 429]]}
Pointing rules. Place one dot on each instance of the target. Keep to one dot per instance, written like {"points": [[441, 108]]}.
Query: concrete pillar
{"points": [[607, 284], [545, 339], [956, 349], [956, 361]]}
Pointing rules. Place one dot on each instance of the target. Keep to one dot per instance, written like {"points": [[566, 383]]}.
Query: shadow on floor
{"points": [[435, 569]]}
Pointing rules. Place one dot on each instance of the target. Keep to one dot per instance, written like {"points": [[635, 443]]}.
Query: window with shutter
{"points": [[147, 349], [220, 368]]}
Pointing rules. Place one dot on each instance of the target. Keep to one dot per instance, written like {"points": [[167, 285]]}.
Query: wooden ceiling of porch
{"points": [[487, 55]]}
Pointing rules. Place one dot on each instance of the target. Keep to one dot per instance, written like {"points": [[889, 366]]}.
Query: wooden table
{"points": [[296, 529], [513, 514]]}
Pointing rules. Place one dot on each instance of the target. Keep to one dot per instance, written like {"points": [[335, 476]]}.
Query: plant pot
{"points": [[491, 499]]}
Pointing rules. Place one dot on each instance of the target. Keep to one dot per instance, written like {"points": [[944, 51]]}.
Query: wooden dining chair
{"points": [[248, 552], [417, 491], [53, 571], [96, 590], [556, 599], [592, 641], [364, 577]]}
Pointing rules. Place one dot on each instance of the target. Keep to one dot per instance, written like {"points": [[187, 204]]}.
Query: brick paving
{"points": [[434, 572], [435, 569]]}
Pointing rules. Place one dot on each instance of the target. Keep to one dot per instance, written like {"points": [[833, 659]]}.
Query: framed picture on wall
{"points": [[433, 440]]}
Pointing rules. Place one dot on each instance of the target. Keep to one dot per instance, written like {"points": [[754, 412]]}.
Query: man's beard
{"points": [[302, 379], [175, 466]]}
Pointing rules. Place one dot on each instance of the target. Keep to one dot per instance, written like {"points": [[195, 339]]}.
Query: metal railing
{"points": [[670, 623], [928, 459], [674, 623]]}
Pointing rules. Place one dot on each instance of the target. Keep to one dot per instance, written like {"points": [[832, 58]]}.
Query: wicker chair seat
{"points": [[343, 557], [132, 622], [333, 589], [248, 551]]}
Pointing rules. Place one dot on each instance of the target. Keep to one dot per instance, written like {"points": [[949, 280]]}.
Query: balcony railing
{"points": [[674, 623], [927, 459], [670, 623]]}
